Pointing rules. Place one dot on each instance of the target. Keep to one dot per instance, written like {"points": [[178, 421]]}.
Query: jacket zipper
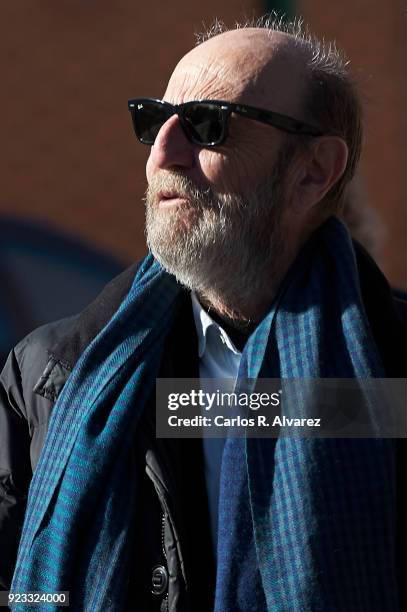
{"points": [[166, 515], [163, 519], [161, 496]]}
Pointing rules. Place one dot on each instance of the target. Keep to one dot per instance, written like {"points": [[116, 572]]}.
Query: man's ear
{"points": [[321, 167]]}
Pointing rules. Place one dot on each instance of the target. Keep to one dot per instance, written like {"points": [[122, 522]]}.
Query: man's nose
{"points": [[172, 150]]}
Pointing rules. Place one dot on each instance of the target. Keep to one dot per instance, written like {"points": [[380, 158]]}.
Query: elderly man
{"points": [[250, 275]]}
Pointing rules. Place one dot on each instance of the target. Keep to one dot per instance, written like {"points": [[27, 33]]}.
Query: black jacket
{"points": [[173, 563], [172, 523]]}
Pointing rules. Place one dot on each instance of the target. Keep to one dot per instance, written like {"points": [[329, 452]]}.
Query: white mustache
{"points": [[170, 185]]}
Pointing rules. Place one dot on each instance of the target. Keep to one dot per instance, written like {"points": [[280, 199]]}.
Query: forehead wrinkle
{"points": [[246, 66], [215, 80]]}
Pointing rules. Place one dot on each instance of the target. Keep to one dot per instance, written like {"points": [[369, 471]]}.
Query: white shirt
{"points": [[218, 358]]}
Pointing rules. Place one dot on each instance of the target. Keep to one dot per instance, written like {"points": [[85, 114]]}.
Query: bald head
{"points": [[248, 65]]}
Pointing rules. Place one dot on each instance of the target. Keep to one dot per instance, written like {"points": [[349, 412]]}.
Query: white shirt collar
{"points": [[203, 322]]}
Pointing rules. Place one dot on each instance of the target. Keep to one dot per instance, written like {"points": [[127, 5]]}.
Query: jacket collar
{"points": [[387, 315], [90, 322]]}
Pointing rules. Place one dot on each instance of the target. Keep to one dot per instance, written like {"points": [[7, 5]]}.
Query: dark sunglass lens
{"points": [[148, 119], [205, 122]]}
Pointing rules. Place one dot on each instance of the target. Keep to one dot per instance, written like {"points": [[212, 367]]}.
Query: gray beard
{"points": [[227, 248]]}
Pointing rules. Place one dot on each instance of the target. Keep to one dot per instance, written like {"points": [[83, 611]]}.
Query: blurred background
{"points": [[72, 172]]}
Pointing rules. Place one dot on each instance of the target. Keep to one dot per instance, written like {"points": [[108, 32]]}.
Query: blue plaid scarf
{"points": [[310, 523]]}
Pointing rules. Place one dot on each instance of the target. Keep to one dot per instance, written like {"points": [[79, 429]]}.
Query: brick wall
{"points": [[374, 35]]}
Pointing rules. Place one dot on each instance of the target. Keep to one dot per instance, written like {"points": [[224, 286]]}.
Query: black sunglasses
{"points": [[205, 122]]}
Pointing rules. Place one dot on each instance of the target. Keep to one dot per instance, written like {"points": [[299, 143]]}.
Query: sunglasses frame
{"points": [[277, 120]]}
